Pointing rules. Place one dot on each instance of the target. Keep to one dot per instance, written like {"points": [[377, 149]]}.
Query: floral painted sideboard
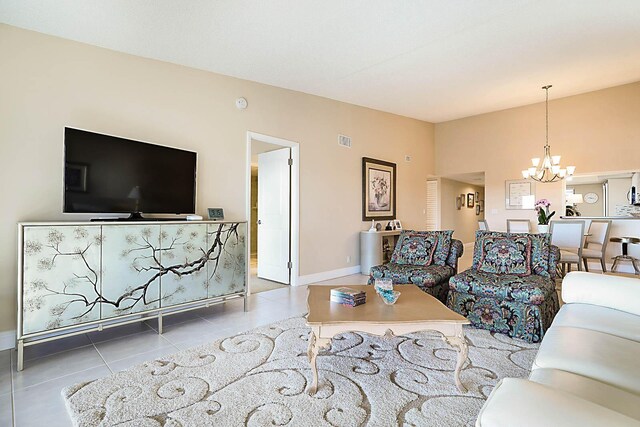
{"points": [[75, 277]]}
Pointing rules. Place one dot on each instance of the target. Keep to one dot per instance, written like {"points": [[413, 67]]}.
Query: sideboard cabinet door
{"points": [[226, 268], [131, 269], [61, 276], [183, 258]]}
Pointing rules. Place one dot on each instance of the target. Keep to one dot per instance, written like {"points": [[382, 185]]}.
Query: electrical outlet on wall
{"points": [[348, 259]]}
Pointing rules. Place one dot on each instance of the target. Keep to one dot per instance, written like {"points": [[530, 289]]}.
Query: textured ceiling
{"points": [[434, 60]]}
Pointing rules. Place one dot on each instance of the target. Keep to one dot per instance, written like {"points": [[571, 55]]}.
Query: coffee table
{"points": [[414, 311]]}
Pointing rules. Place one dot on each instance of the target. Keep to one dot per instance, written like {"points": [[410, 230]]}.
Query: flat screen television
{"points": [[108, 174]]}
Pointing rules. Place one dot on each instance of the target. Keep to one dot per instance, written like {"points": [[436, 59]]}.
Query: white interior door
{"points": [[274, 216]]}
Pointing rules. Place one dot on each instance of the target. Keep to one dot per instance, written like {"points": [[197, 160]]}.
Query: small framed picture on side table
{"points": [[398, 225]]}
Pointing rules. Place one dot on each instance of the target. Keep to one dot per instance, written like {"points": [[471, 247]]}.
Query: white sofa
{"points": [[587, 370]]}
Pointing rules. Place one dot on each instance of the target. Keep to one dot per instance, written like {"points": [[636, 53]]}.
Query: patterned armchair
{"points": [[423, 258], [511, 286]]}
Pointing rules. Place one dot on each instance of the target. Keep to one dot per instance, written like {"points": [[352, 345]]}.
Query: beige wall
{"points": [[47, 83], [596, 131], [464, 222], [590, 209]]}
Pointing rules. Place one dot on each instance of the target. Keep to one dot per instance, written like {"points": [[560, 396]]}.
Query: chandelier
{"points": [[548, 169]]}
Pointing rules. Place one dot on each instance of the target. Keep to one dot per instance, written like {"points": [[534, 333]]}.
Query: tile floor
{"points": [[32, 397]]}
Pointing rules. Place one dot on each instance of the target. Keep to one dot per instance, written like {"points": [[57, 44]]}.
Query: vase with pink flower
{"points": [[544, 216]]}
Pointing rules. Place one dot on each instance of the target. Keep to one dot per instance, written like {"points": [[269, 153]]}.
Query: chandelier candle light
{"points": [[549, 169]]}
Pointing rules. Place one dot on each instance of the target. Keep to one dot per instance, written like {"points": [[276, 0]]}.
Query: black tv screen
{"points": [[108, 174]]}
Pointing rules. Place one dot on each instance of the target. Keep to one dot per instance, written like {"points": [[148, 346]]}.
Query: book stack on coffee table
{"points": [[348, 296]]}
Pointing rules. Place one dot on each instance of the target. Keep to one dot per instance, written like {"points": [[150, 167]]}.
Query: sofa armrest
{"points": [[616, 292], [524, 403]]}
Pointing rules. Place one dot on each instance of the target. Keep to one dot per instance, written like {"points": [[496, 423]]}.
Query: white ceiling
{"points": [[434, 60]]}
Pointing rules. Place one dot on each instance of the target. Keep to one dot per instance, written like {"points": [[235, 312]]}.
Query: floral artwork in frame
{"points": [[470, 200], [459, 202], [378, 189]]}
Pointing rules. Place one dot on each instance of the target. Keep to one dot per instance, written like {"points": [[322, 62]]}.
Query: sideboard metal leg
{"points": [[246, 306], [159, 323], [20, 361]]}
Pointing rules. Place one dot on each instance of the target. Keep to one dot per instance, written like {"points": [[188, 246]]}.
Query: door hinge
{"points": [[290, 162], [289, 265]]}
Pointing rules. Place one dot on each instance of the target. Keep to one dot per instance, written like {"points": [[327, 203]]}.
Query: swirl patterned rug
{"points": [[258, 378]]}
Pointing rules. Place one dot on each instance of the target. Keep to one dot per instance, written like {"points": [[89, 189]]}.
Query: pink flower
{"points": [[543, 203]]}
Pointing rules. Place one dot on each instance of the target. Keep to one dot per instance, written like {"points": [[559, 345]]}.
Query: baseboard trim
{"points": [[327, 275], [7, 340]]}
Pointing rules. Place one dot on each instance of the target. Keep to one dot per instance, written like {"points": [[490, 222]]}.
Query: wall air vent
{"points": [[344, 140]]}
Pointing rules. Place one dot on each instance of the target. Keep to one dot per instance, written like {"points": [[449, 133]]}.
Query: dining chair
{"points": [[483, 225], [568, 236], [596, 243], [518, 226]]}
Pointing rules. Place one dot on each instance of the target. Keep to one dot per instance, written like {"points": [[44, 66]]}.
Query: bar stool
{"points": [[625, 254]]}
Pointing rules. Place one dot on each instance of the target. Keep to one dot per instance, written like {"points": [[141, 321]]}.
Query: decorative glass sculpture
{"points": [[384, 288]]}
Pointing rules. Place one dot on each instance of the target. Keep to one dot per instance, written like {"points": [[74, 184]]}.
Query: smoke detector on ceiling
{"points": [[241, 103]]}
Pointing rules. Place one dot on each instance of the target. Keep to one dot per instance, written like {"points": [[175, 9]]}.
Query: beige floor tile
{"points": [[6, 410], [57, 346], [5, 372], [121, 348], [42, 404], [55, 366]]}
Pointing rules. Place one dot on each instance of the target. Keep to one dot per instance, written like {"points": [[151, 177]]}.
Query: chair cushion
{"points": [[424, 276], [568, 256], [422, 248], [531, 289], [540, 250], [591, 253], [589, 389], [502, 255], [597, 355], [601, 319]]}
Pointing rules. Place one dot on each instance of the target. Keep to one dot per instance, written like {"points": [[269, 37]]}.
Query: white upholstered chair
{"points": [[483, 225], [569, 237], [596, 243], [518, 226]]}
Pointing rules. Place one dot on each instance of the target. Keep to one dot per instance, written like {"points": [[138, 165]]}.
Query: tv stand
{"points": [[101, 275], [135, 216]]}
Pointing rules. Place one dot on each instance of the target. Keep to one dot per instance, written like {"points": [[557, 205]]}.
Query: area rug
{"points": [[258, 378]]}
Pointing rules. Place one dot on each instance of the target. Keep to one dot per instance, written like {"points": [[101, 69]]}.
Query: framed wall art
{"points": [[378, 189], [470, 200], [520, 194], [459, 202]]}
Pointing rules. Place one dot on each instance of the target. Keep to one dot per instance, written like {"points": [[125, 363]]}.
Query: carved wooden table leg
{"points": [[315, 345], [312, 340], [460, 344]]}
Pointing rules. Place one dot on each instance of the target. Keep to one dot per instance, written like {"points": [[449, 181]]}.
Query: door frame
{"points": [[295, 200]]}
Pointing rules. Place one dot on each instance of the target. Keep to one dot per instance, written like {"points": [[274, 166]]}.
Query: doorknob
{"points": [[259, 222]]}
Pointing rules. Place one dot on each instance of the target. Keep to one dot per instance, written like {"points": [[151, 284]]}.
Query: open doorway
{"points": [[462, 204], [272, 212]]}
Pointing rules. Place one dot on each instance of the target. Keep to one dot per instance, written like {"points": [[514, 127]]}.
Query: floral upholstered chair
{"points": [[423, 258], [511, 286]]}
